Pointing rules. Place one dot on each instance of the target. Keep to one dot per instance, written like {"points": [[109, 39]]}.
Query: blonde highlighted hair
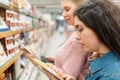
{"points": [[78, 2]]}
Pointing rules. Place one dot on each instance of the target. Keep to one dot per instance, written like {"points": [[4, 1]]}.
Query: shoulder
{"points": [[110, 77], [110, 72], [112, 67]]}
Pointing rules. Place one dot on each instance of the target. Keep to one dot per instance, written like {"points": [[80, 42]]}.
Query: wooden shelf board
{"points": [[9, 33], [5, 34]]}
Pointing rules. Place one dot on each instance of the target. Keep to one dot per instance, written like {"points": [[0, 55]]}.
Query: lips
{"points": [[67, 20]]}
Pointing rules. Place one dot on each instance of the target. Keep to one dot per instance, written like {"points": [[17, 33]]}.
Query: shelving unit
{"points": [[29, 37], [11, 33], [13, 8]]}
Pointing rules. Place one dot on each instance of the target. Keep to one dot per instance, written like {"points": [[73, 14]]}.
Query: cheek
{"points": [[71, 17], [71, 12], [85, 36], [92, 42]]}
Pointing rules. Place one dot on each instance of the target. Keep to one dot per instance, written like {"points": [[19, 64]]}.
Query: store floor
{"points": [[54, 43]]}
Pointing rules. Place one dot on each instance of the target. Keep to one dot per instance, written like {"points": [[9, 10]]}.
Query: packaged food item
{"points": [[3, 26], [2, 53]]}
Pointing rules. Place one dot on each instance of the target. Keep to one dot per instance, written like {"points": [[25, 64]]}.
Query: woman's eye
{"points": [[80, 30], [67, 9]]}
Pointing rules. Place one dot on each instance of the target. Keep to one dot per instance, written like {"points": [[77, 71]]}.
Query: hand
{"points": [[68, 77], [51, 59], [48, 74], [41, 69]]}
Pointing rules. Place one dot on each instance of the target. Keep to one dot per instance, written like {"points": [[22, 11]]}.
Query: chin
{"points": [[69, 23], [87, 50]]}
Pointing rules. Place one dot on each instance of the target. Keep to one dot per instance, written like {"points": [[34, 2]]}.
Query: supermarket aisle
{"points": [[53, 44]]}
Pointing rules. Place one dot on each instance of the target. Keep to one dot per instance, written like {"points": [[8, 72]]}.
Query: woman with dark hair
{"points": [[98, 26]]}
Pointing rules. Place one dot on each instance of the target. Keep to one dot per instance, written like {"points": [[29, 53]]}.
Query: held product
{"points": [[38, 62], [44, 59]]}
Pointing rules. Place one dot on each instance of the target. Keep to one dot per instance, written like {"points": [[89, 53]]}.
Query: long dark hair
{"points": [[103, 17]]}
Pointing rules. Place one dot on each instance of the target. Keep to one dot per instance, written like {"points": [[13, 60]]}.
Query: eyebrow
{"points": [[66, 7]]}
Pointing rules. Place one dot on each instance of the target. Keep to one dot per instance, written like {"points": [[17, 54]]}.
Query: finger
{"points": [[67, 77], [64, 77], [41, 69], [70, 78], [50, 58]]}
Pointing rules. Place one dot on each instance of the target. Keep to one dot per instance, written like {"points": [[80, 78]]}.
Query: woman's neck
{"points": [[102, 49], [100, 52]]}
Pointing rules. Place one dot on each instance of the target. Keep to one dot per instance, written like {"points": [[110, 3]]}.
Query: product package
{"points": [[3, 26], [9, 45], [3, 55]]}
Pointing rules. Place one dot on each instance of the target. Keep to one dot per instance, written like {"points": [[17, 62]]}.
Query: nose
{"points": [[78, 39], [78, 36], [64, 14]]}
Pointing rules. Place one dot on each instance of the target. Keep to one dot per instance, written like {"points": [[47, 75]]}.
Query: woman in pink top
{"points": [[70, 57]]}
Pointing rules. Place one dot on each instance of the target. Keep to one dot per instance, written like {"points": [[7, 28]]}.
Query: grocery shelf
{"points": [[5, 65], [11, 33], [15, 8]]}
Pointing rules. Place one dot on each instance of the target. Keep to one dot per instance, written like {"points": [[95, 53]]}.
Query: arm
{"points": [[74, 58]]}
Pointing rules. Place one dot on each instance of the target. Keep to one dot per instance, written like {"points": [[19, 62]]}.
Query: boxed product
{"points": [[3, 26], [14, 5], [9, 15], [5, 2], [9, 45], [3, 13], [3, 55]]}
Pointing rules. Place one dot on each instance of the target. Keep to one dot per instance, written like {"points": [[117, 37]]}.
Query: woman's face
{"points": [[87, 38], [68, 8]]}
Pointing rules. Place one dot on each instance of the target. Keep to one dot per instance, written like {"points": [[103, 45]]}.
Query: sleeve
{"points": [[74, 60]]}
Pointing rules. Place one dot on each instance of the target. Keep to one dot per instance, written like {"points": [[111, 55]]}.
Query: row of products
{"points": [[22, 69], [9, 48], [11, 20], [19, 5]]}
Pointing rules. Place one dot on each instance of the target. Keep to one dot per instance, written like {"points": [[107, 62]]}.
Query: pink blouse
{"points": [[71, 59]]}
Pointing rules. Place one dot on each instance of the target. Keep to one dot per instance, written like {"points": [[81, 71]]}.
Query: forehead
{"points": [[77, 21], [67, 3]]}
